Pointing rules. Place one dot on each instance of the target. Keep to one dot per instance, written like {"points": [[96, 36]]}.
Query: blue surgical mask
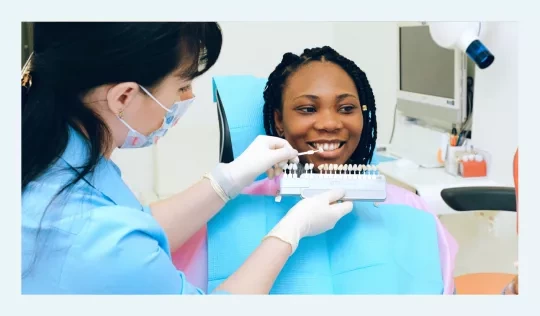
{"points": [[135, 139]]}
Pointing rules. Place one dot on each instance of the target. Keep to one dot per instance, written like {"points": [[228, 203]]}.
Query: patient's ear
{"points": [[278, 121]]}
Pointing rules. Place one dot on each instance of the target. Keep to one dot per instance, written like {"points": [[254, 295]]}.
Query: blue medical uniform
{"points": [[97, 239]]}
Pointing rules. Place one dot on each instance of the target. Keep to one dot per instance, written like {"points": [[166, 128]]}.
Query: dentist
{"points": [[93, 87]]}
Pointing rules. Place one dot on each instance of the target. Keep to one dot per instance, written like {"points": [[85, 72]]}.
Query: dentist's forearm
{"points": [[259, 272], [185, 213]]}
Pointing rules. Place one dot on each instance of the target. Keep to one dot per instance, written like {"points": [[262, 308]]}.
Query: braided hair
{"points": [[273, 95]]}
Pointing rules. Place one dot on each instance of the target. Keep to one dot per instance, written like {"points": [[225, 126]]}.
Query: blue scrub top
{"points": [[96, 239]]}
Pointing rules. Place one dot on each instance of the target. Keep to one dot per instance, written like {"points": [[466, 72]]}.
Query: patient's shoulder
{"points": [[263, 187], [399, 195]]}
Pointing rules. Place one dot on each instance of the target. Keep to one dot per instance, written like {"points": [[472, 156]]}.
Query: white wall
{"points": [[191, 148], [495, 121], [373, 47]]}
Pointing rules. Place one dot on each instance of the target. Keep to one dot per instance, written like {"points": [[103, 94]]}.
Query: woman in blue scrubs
{"points": [[93, 87]]}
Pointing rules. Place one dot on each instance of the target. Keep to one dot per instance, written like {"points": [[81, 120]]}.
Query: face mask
{"points": [[135, 139]]}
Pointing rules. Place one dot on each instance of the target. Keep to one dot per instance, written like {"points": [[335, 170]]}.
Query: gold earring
{"points": [[364, 107]]}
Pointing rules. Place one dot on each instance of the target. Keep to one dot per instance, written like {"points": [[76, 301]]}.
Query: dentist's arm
{"points": [[308, 217], [183, 214]]}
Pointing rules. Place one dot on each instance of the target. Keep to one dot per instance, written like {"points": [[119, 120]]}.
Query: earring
{"points": [[364, 108], [121, 113]]}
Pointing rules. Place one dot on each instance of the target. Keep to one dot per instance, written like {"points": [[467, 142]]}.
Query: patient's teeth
{"points": [[326, 146]]}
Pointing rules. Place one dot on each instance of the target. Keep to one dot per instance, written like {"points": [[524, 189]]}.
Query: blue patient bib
{"points": [[384, 249]]}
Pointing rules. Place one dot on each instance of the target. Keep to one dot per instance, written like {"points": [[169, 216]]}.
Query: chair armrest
{"points": [[480, 198]]}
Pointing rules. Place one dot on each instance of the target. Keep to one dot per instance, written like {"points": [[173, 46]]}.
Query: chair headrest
{"points": [[240, 107], [240, 113]]}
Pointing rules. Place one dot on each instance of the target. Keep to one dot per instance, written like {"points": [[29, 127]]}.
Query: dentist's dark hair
{"points": [[72, 58], [273, 95]]}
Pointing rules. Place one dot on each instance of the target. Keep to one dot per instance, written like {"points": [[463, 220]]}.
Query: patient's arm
{"points": [[258, 274]]}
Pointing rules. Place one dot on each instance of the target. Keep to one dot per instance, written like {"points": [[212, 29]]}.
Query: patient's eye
{"points": [[306, 109], [347, 108]]}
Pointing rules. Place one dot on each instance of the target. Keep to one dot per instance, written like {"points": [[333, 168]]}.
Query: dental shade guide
{"points": [[361, 182], [311, 152]]}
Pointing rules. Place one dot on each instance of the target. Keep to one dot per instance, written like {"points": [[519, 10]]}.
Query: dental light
{"points": [[464, 36]]}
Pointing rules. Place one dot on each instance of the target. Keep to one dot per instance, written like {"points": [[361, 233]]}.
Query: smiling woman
{"points": [[320, 99]]}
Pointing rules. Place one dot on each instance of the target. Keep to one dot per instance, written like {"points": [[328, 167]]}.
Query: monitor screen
{"points": [[425, 67]]}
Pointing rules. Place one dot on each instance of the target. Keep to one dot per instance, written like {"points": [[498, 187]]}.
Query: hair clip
{"points": [[26, 78], [364, 107]]}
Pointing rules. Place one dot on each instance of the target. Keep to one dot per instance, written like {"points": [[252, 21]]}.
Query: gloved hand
{"points": [[310, 217], [265, 154]]}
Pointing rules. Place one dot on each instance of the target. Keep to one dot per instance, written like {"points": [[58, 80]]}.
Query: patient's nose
{"points": [[328, 121]]}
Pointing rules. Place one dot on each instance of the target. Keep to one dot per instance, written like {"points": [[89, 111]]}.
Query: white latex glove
{"points": [[265, 154], [310, 217]]}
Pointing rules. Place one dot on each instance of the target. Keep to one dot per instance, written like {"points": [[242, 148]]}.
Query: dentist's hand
{"points": [[310, 217], [265, 154]]}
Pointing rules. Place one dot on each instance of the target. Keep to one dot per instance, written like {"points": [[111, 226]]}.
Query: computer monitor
{"points": [[432, 81]]}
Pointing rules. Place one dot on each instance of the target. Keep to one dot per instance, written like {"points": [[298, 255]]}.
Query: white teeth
{"points": [[327, 146]]}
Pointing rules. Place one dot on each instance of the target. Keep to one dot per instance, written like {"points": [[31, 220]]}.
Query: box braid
{"points": [[273, 95]]}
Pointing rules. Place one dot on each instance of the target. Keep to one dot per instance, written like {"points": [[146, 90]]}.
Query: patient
{"points": [[322, 99], [319, 99]]}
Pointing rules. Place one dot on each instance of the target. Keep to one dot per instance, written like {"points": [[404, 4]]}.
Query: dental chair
{"points": [[239, 101], [465, 199]]}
